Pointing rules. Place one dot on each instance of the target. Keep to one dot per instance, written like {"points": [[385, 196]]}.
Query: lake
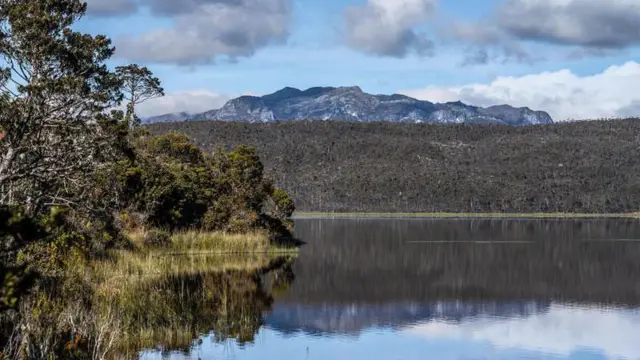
{"points": [[447, 289]]}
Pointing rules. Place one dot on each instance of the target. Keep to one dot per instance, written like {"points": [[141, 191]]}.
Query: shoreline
{"points": [[448, 215]]}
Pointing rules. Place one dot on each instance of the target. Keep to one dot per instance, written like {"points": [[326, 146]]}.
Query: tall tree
{"points": [[138, 85], [54, 101]]}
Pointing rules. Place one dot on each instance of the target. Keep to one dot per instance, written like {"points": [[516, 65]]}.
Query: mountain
{"points": [[173, 117], [353, 104]]}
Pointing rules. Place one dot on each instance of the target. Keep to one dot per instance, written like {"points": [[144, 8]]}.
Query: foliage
{"points": [[138, 86], [284, 206], [55, 93], [157, 238], [578, 167], [175, 185], [16, 232]]}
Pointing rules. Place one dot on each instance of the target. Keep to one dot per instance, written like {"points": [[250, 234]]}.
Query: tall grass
{"points": [[126, 268], [212, 242], [198, 241]]}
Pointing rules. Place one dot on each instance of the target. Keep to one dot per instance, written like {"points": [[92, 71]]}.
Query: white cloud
{"points": [[565, 95], [386, 27], [192, 101], [569, 28], [561, 331], [203, 31], [609, 24], [110, 7]]}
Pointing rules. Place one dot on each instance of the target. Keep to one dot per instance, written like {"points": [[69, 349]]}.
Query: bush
{"points": [[216, 218], [157, 239], [284, 206], [242, 222], [177, 186]]}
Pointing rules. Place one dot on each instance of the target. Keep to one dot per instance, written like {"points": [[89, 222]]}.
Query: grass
{"points": [[144, 297], [191, 252], [444, 215], [142, 285], [215, 242], [126, 267]]}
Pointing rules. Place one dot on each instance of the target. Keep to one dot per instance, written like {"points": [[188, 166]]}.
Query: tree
{"points": [[54, 101], [139, 85]]}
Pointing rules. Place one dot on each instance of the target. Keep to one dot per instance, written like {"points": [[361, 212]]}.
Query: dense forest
{"points": [[587, 166]]}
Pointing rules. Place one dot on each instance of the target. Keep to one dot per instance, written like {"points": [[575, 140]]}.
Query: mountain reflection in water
{"points": [[452, 289]]}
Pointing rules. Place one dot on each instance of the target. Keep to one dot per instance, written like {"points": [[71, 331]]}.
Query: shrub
{"points": [[242, 222], [157, 239], [216, 218], [177, 186], [284, 206]]}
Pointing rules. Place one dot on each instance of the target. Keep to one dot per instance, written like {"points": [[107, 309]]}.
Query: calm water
{"points": [[450, 289]]}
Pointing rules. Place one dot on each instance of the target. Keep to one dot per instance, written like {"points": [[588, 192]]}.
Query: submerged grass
{"points": [[445, 215]]}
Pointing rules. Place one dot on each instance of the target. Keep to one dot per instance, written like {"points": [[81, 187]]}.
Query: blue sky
{"points": [[553, 55]]}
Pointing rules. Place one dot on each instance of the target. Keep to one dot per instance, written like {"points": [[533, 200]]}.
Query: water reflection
{"points": [[165, 307], [332, 319], [453, 289], [170, 312], [561, 330]]}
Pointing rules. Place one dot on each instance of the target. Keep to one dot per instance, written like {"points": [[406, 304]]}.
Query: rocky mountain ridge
{"points": [[353, 104]]}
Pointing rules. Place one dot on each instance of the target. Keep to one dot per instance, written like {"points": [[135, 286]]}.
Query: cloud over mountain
{"points": [[565, 95], [193, 101]]}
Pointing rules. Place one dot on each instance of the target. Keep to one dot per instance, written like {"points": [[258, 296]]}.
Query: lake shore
{"points": [[346, 215], [164, 289], [211, 242]]}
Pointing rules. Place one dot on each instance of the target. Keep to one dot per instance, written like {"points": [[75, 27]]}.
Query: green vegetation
{"points": [[138, 86], [172, 184], [580, 167], [76, 177]]}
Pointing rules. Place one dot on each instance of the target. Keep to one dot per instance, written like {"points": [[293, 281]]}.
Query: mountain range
{"points": [[353, 104]]}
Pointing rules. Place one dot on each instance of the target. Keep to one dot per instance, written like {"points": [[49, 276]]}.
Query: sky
{"points": [[576, 59]]}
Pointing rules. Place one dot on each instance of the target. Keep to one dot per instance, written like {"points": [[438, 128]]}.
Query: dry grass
{"points": [[213, 242], [128, 267], [198, 241], [190, 252]]}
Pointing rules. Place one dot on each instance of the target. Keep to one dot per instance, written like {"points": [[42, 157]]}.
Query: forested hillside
{"points": [[589, 166]]}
